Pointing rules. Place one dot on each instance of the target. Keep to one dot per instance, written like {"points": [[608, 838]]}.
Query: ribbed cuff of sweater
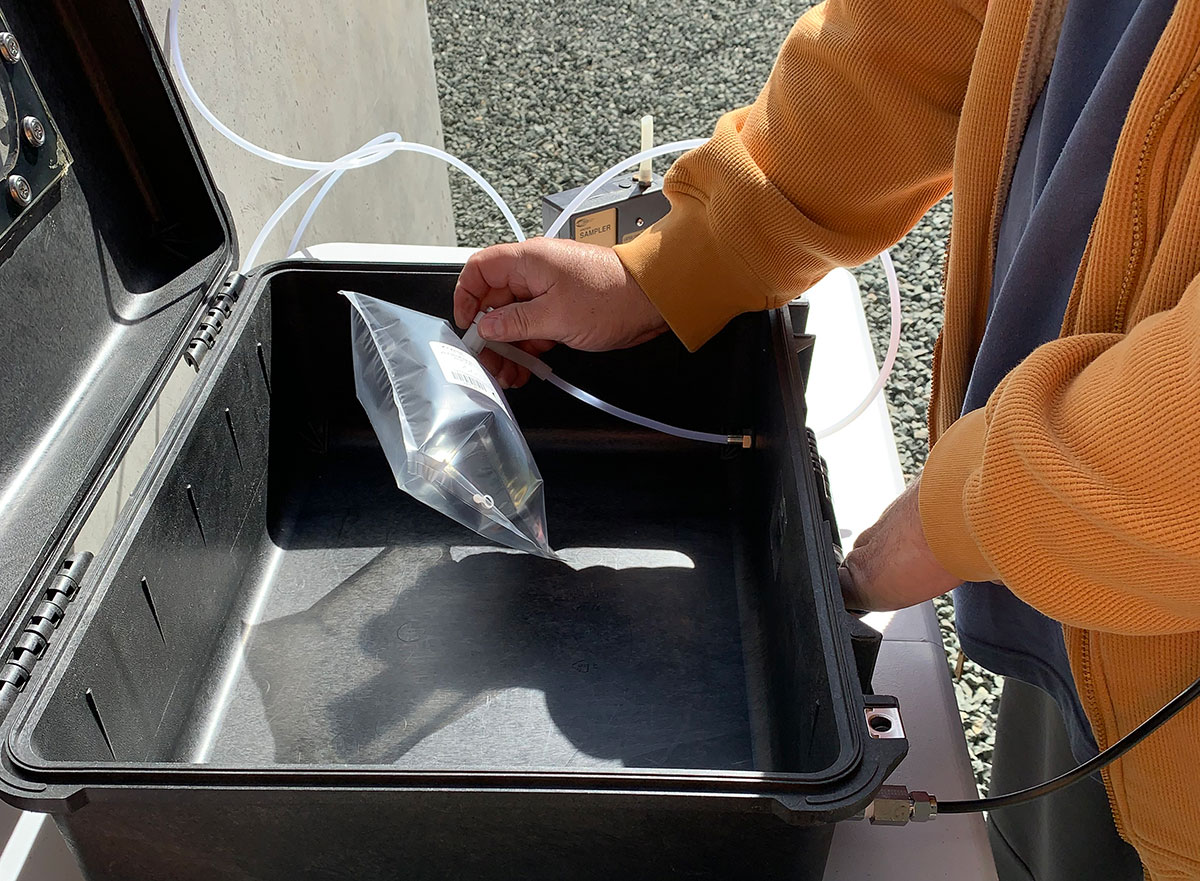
{"points": [[695, 281], [953, 459]]}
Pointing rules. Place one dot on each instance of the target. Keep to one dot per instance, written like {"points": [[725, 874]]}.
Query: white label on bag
{"points": [[461, 368]]}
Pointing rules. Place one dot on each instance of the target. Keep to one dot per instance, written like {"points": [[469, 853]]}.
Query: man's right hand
{"points": [[547, 291]]}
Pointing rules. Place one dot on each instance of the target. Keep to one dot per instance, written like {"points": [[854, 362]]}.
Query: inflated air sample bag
{"points": [[448, 434]]}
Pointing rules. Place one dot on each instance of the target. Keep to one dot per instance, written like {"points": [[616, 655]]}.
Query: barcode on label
{"points": [[468, 381], [461, 368]]}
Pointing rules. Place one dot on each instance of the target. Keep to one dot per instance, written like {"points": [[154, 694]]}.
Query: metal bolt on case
{"points": [[10, 49], [19, 190], [34, 131]]}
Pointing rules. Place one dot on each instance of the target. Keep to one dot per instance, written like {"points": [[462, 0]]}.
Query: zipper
{"points": [[1013, 136], [1083, 638], [1138, 249], [931, 416], [1072, 310], [1084, 645], [1022, 91], [931, 412]]}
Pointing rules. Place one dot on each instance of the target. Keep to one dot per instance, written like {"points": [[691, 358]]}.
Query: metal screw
{"points": [[20, 190], [35, 132], [10, 49]]}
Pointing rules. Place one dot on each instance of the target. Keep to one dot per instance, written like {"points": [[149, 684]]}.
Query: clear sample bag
{"points": [[447, 431]]}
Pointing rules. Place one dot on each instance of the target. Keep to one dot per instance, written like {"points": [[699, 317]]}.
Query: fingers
{"points": [[491, 277], [492, 362], [468, 292], [507, 373], [537, 348], [857, 577], [853, 597], [537, 319], [512, 375]]}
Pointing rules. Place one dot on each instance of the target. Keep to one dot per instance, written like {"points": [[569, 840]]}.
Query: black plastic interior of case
{"points": [[277, 600], [102, 280]]}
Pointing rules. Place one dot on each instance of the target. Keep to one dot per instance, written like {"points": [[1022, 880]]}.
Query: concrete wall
{"points": [[313, 79]]}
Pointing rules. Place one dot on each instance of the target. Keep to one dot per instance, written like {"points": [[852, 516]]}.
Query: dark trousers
{"points": [[1067, 836]]}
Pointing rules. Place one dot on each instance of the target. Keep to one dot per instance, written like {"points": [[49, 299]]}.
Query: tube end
{"points": [[471, 339], [645, 172]]}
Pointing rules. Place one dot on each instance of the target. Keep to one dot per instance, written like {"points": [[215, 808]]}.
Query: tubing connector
{"points": [[896, 806]]}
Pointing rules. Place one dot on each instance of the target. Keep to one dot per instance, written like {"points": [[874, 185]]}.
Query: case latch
{"points": [[821, 473], [205, 335], [46, 617]]}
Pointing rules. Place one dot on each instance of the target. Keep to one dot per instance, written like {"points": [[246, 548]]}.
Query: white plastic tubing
{"points": [[379, 148], [371, 152], [889, 360], [542, 370]]}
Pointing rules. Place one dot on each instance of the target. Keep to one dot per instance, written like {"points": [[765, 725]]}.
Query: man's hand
{"points": [[547, 291], [891, 566]]}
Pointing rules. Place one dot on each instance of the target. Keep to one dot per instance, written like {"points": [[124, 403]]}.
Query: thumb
{"points": [[852, 595], [529, 320]]}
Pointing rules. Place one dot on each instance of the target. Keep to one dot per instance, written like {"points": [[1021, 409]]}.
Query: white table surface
{"points": [[864, 473]]}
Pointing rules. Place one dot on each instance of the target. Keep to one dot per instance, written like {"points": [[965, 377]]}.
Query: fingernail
{"points": [[491, 326]]}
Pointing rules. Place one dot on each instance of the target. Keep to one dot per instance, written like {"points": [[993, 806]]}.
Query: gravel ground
{"points": [[541, 97]]}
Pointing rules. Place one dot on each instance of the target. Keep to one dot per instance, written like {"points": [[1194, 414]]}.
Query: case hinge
{"points": [[219, 310], [46, 616]]}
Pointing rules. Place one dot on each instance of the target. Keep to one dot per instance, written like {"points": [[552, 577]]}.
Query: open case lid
{"points": [[103, 274]]}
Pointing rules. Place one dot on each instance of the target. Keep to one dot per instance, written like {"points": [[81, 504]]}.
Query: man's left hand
{"points": [[891, 566]]}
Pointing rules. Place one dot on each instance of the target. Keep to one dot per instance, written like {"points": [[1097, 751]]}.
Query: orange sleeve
{"points": [[1078, 485], [850, 142]]}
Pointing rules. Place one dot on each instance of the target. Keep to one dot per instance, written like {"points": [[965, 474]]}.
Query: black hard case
{"points": [[279, 666]]}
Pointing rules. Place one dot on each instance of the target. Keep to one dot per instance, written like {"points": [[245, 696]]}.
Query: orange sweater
{"points": [[1078, 485]]}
